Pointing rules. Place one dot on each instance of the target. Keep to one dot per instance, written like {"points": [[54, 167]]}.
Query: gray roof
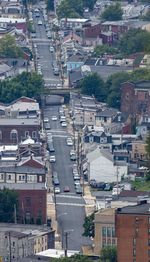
{"points": [[19, 122], [4, 68], [15, 234], [23, 186], [22, 170], [143, 84], [141, 209], [107, 113], [105, 70]]}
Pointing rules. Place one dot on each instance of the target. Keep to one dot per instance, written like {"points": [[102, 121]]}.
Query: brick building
{"points": [[104, 229], [14, 130], [32, 198], [135, 98], [133, 233]]}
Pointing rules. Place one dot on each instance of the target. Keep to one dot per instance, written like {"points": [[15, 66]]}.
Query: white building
{"points": [[102, 169]]}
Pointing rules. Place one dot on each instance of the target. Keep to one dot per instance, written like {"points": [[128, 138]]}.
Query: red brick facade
{"points": [[32, 205], [134, 99], [133, 239], [23, 131]]}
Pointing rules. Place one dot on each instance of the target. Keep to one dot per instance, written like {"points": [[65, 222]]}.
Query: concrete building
{"points": [[104, 230], [24, 240], [132, 232]]}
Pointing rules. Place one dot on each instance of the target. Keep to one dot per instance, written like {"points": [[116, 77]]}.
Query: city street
{"points": [[45, 56], [69, 206]]}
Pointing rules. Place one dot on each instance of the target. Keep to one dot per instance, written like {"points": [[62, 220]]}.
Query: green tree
{"points": [[50, 5], [70, 9], [148, 146], [89, 226], [8, 47], [135, 40], [100, 50], [109, 254], [89, 4], [113, 84], [76, 258], [8, 199], [112, 13], [25, 84], [93, 85]]}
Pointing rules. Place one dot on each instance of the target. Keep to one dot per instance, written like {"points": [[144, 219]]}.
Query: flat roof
{"points": [[77, 20], [141, 209], [12, 20], [22, 170], [23, 186], [19, 121]]}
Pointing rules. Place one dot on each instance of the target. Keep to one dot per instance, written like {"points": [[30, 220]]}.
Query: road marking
{"points": [[69, 196], [70, 204]]}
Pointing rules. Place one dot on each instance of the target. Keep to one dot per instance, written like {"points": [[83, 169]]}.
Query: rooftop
{"points": [[22, 169], [19, 122], [23, 186], [141, 209]]}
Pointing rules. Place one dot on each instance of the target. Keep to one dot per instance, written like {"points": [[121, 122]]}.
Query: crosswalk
{"points": [[70, 204], [68, 196]]}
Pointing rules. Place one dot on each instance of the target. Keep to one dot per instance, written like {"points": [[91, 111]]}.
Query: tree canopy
{"points": [[73, 9], [100, 50], [93, 84], [25, 84], [76, 258], [112, 13], [135, 40], [113, 84], [8, 199], [50, 5], [109, 254], [8, 47], [89, 226]]}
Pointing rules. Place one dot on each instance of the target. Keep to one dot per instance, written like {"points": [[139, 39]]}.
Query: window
{"points": [[2, 176], [134, 241], [40, 178], [13, 244], [28, 216], [9, 177], [1, 135], [149, 242], [34, 134], [149, 252], [149, 231], [26, 134], [149, 220], [134, 252], [104, 231], [14, 135], [109, 231], [19, 178], [28, 201]]}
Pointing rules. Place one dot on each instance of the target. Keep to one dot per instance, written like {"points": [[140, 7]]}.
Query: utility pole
{"points": [[117, 173], [9, 240], [66, 243], [15, 215]]}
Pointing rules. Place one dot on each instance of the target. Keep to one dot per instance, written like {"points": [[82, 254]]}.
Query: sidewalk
{"points": [[90, 201]]}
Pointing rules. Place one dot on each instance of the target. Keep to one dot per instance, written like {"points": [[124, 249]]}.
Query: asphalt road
{"points": [[69, 206], [45, 56]]}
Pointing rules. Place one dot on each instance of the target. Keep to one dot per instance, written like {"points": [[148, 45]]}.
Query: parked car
{"points": [[57, 190], [69, 141], [79, 190], [52, 159], [100, 185], [64, 124], [40, 22], [108, 187], [56, 182], [51, 49]]}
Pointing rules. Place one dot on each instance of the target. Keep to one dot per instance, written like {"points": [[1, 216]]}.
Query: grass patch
{"points": [[141, 185]]}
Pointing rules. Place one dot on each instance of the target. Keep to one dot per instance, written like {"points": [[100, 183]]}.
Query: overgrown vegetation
{"points": [[110, 91], [89, 226], [74, 9], [112, 13], [25, 84], [8, 201], [9, 48]]}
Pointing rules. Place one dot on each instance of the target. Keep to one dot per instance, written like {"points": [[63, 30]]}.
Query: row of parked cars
{"points": [[100, 185], [76, 178]]}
